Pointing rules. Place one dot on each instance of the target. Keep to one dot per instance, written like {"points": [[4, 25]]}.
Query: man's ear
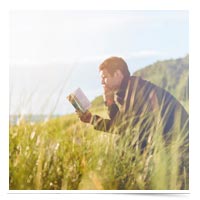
{"points": [[119, 74]]}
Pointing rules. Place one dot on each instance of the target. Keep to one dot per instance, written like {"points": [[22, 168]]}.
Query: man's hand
{"points": [[85, 117], [108, 96]]}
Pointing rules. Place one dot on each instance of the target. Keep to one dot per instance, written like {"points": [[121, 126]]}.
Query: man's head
{"points": [[113, 70]]}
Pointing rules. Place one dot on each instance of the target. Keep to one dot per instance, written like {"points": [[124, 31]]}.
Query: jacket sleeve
{"points": [[102, 124]]}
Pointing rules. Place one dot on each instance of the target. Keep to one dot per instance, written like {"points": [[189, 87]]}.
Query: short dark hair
{"points": [[114, 63]]}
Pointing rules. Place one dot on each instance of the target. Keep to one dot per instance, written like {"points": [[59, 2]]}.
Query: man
{"points": [[125, 94], [136, 103]]}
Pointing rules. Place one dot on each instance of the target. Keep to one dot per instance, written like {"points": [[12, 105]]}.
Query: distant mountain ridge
{"points": [[172, 75]]}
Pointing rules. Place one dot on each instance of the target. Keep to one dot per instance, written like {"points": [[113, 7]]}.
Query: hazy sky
{"points": [[59, 36], [48, 48]]}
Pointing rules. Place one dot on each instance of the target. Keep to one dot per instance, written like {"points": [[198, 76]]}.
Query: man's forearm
{"points": [[100, 123]]}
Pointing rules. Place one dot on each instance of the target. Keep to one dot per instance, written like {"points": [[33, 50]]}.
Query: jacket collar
{"points": [[120, 94]]}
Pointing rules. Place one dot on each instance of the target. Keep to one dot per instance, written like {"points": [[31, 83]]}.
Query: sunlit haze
{"points": [[54, 52]]}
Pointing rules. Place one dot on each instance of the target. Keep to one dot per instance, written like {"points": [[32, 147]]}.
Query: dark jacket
{"points": [[138, 98]]}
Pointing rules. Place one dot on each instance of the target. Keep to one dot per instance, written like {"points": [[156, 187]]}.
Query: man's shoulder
{"points": [[146, 86], [140, 82], [140, 79], [144, 83]]}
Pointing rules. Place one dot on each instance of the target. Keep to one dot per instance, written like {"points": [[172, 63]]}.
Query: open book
{"points": [[79, 100]]}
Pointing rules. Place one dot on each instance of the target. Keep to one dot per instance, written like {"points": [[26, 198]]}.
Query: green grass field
{"points": [[66, 154]]}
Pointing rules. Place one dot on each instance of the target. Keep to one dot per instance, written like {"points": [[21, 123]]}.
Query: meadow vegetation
{"points": [[66, 154]]}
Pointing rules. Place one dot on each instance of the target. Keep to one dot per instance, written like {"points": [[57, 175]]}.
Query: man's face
{"points": [[111, 82]]}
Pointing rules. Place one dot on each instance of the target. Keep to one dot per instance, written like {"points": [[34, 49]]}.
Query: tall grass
{"points": [[66, 154]]}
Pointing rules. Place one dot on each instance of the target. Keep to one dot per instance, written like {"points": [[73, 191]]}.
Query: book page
{"points": [[79, 100], [82, 99]]}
